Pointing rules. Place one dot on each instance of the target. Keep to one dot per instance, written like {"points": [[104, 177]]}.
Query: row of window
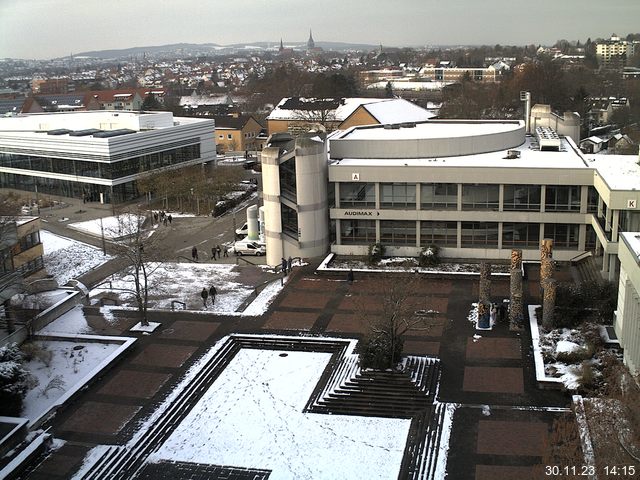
{"points": [[29, 241], [67, 188], [110, 170], [445, 234], [444, 196]]}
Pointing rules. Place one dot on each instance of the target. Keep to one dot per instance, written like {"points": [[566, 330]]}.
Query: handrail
{"points": [[580, 256]]}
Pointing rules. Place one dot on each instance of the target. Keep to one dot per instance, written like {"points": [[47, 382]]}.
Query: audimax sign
{"points": [[361, 213]]}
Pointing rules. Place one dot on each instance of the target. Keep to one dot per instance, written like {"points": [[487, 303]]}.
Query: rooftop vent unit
{"points": [[513, 154], [113, 133], [59, 131], [408, 125], [548, 139], [391, 126], [84, 133]]}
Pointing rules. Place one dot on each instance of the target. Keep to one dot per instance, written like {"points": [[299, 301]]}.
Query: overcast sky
{"points": [[53, 28]]}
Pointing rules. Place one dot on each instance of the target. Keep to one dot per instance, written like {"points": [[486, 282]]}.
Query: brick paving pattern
{"points": [[493, 379], [504, 472], [511, 438], [189, 330], [495, 370], [493, 348], [99, 417], [129, 383], [162, 355]]}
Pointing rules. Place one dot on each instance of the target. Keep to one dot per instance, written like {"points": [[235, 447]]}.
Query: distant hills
{"points": [[191, 49]]}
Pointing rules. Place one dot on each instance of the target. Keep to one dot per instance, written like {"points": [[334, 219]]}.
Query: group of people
{"points": [[162, 217], [219, 251], [206, 294], [287, 264]]}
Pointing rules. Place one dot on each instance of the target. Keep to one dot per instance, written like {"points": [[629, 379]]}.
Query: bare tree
{"points": [[135, 243], [402, 309]]}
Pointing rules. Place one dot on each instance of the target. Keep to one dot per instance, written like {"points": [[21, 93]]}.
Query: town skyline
{"points": [[147, 23]]}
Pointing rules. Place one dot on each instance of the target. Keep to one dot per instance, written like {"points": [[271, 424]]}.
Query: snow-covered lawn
{"points": [[403, 264], [65, 258], [553, 345], [114, 227], [59, 367], [71, 323], [184, 282], [252, 416]]}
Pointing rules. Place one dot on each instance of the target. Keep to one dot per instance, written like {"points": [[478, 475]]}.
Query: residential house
{"points": [[297, 114], [237, 133], [68, 102]]}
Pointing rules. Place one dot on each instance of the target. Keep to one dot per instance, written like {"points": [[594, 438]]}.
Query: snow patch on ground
{"points": [[71, 322], [65, 258], [183, 282], [70, 363], [252, 417], [113, 227]]}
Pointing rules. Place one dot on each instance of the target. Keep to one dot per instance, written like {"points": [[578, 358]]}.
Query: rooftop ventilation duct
{"points": [[547, 138]]}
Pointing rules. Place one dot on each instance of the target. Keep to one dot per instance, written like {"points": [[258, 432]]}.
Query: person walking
{"points": [[225, 251], [212, 293], [219, 252], [284, 266], [194, 253], [204, 294], [289, 264], [350, 276], [213, 253], [170, 218]]}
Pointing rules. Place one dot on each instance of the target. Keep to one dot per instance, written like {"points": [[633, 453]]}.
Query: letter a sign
{"points": [[355, 177]]}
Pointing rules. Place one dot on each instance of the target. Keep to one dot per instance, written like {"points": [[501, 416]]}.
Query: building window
{"points": [[522, 198], [358, 232], [398, 232], [229, 136], [331, 195], [439, 196], [358, 195], [289, 221], [221, 137], [29, 241], [520, 235], [398, 195], [442, 234], [480, 197], [562, 198], [563, 235], [479, 234], [288, 187], [592, 199]]}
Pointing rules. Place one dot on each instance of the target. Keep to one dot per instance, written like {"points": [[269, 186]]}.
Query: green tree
{"points": [[388, 90], [150, 104]]}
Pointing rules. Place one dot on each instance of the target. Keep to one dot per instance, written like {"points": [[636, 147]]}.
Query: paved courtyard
{"points": [[499, 430]]}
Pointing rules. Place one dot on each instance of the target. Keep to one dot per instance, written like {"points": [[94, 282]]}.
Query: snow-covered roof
{"points": [[620, 172], [530, 157], [342, 108], [430, 130], [633, 241], [593, 139], [414, 86], [398, 110]]}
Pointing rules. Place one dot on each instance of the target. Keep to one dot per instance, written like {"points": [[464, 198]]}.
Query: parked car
{"points": [[249, 248], [243, 230]]}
